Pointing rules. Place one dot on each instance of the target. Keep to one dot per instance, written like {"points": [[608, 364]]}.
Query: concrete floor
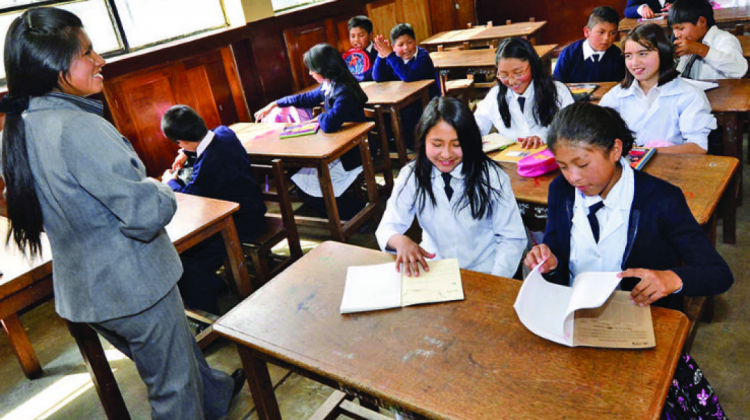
{"points": [[65, 391]]}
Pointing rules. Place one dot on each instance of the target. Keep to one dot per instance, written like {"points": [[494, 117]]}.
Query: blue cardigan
{"points": [[631, 8], [571, 68], [223, 172], [341, 106], [420, 67], [662, 235]]}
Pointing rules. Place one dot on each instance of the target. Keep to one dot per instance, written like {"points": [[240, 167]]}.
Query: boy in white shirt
{"points": [[704, 50]]}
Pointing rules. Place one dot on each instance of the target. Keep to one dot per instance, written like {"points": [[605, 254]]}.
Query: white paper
{"points": [[703, 84], [371, 287]]}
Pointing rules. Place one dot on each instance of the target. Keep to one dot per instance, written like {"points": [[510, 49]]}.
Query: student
{"points": [[659, 106], [222, 171], [704, 50], [401, 59], [462, 199], [70, 174], [604, 216], [646, 9], [360, 38], [594, 58], [525, 99], [344, 102]]}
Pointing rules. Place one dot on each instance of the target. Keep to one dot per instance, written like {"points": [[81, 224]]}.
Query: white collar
{"points": [[412, 57], [620, 197], [455, 173], [369, 47], [710, 36], [588, 51], [204, 143], [326, 87], [674, 87], [528, 93]]}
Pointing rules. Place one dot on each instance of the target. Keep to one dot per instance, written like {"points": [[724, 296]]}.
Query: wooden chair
{"points": [[462, 89], [340, 404], [277, 229]]}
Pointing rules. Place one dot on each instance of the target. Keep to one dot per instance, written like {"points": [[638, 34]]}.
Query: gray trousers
{"points": [[180, 383]]}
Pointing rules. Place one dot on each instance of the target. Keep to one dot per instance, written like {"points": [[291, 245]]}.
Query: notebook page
{"points": [[541, 307], [371, 287], [442, 283], [616, 324], [590, 290]]}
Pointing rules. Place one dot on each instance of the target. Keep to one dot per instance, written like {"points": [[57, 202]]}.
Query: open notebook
{"points": [[591, 313], [374, 287]]}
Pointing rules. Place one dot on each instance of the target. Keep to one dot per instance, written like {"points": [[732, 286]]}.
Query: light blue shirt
{"points": [[585, 254], [492, 245], [680, 114]]}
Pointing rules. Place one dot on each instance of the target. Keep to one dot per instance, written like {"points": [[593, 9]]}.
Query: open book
{"points": [[587, 314], [495, 141], [374, 287], [301, 129]]}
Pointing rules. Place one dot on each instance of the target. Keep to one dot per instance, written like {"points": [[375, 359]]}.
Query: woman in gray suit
{"points": [[70, 173]]}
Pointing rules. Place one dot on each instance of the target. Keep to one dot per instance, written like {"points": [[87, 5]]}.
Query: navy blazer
{"points": [[420, 67], [572, 68], [662, 235], [631, 8], [341, 106]]}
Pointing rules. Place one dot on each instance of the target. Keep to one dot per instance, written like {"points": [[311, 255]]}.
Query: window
{"points": [[120, 26], [280, 5]]}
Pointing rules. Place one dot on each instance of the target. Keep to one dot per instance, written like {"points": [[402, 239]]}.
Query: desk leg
{"points": [[100, 371], [425, 97], [398, 134], [324, 176], [730, 202], [372, 186], [261, 387], [237, 265], [22, 347], [732, 142]]}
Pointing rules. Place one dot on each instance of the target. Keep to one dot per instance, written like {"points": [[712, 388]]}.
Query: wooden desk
{"points": [[480, 36], [745, 42], [478, 61], [459, 360], [316, 151], [725, 18], [393, 97]]}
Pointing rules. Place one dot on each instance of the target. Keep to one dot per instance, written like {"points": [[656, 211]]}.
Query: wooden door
{"points": [[385, 14], [299, 40], [448, 15]]}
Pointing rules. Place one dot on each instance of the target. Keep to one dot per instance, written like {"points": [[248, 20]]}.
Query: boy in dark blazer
{"points": [[646, 9], [360, 38]]}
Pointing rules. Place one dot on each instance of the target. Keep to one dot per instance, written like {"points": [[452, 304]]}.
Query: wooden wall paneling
{"points": [[465, 13], [443, 15], [417, 13], [235, 85], [298, 41], [383, 16], [250, 78], [215, 89]]}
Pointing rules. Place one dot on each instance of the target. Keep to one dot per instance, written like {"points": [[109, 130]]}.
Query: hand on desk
{"points": [[653, 286], [263, 112], [382, 46], [409, 254], [531, 142], [538, 254]]}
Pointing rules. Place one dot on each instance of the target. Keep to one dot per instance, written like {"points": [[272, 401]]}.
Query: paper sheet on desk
{"points": [[550, 311], [703, 84]]}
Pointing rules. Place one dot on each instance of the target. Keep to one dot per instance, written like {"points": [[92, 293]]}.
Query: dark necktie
{"points": [[593, 220], [689, 66], [521, 102], [447, 180], [595, 57]]}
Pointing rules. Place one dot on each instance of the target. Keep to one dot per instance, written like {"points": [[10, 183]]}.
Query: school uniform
{"points": [[418, 67], [372, 54], [221, 171], [645, 223], [580, 63], [724, 60], [341, 106], [676, 112], [493, 244], [633, 7], [523, 123]]}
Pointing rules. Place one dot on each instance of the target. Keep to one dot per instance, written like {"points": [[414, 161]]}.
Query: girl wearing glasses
{"points": [[526, 97]]}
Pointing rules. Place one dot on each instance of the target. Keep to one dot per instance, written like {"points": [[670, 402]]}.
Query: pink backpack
{"points": [[537, 164]]}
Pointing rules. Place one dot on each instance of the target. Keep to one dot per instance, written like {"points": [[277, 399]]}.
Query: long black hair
{"points": [[590, 125], [39, 47], [652, 37], [478, 193], [545, 93], [327, 62]]}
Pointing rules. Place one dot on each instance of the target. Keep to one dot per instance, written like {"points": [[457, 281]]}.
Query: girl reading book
{"points": [[461, 198], [604, 216], [526, 97], [344, 101]]}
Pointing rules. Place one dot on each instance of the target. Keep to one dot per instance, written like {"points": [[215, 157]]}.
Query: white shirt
{"points": [[723, 61], [680, 114], [492, 245], [585, 254], [522, 124], [588, 51]]}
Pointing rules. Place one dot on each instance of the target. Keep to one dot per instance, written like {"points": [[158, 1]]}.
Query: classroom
{"points": [[195, 193]]}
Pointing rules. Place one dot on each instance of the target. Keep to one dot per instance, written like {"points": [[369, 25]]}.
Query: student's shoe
{"points": [[239, 381]]}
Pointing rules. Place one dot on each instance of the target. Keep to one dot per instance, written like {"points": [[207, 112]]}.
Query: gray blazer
{"points": [[105, 220]]}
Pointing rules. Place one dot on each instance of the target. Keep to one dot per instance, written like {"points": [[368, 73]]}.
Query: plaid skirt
{"points": [[691, 397]]}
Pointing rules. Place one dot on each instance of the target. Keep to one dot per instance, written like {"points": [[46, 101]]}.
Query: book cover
{"points": [[515, 152], [639, 157], [494, 141], [582, 91], [302, 129]]}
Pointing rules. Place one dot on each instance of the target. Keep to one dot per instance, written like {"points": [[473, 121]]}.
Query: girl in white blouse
{"points": [[461, 198], [662, 108], [525, 99]]}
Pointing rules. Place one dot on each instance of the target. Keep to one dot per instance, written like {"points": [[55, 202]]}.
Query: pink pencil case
{"points": [[537, 164]]}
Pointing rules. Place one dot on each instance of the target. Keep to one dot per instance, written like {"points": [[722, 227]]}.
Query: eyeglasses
{"points": [[515, 75]]}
